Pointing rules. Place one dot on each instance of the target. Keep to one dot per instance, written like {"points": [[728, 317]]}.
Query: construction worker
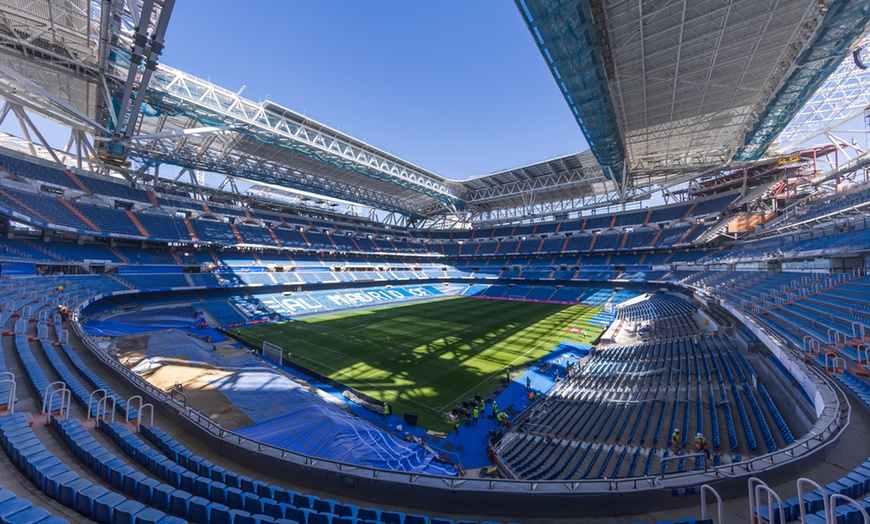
{"points": [[528, 383], [386, 411], [474, 414], [700, 442], [456, 425], [494, 408], [675, 439], [500, 418]]}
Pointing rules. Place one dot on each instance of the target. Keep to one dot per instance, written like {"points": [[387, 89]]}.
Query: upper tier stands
{"points": [[209, 222], [800, 306], [59, 251], [822, 206], [660, 215], [831, 242]]}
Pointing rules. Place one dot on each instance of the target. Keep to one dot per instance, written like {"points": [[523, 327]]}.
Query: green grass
{"points": [[426, 357]]}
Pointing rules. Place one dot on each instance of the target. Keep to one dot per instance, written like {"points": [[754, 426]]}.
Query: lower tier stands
{"points": [[616, 414], [710, 368]]}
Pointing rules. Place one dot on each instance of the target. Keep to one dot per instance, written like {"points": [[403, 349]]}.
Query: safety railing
{"points": [[705, 489], [63, 393], [757, 488], [801, 486], [836, 497], [7, 377]]}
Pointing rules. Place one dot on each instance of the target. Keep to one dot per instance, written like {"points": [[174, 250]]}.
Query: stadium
{"points": [[219, 310]]}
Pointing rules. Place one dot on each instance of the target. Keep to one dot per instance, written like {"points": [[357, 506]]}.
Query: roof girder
{"points": [[251, 167], [844, 23], [565, 33], [174, 90], [843, 96]]}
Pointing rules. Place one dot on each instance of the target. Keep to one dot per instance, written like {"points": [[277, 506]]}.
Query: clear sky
{"points": [[457, 87]]}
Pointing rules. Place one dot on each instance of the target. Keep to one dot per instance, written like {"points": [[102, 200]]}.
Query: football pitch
{"points": [[427, 357]]}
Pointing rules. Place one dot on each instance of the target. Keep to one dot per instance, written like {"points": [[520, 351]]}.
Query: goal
{"points": [[273, 352]]}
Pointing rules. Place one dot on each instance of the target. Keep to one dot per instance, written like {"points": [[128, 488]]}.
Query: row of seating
{"points": [[149, 501], [95, 381], [859, 387], [777, 417], [792, 325], [40, 467], [821, 206], [655, 307], [825, 314], [116, 223], [45, 390], [609, 398], [77, 391], [204, 479]]}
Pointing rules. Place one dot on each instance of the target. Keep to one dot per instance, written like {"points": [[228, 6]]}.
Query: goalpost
{"points": [[273, 352]]}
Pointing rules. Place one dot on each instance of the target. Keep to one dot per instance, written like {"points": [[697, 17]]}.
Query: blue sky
{"points": [[456, 87]]}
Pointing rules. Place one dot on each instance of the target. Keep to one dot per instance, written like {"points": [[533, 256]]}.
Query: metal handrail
{"points": [[832, 514], [800, 487], [842, 363], [104, 402], [141, 416], [771, 495], [102, 392], [130, 402], [13, 389], [706, 488], [65, 397], [830, 358]]}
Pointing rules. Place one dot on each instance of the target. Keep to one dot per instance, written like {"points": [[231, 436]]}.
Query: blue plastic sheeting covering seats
{"points": [[175, 317], [335, 435]]}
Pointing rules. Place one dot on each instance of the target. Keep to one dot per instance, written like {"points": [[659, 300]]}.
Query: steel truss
{"points": [[266, 171], [843, 97], [687, 75], [175, 91]]}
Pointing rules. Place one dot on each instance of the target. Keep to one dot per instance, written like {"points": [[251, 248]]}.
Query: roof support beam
{"points": [[843, 96], [567, 37], [177, 92], [845, 22]]}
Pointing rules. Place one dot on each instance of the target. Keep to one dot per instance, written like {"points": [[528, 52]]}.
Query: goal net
{"points": [[273, 352]]}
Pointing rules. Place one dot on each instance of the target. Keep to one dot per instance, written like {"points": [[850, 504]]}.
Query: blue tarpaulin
{"points": [[184, 318], [335, 435], [149, 270], [17, 268]]}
